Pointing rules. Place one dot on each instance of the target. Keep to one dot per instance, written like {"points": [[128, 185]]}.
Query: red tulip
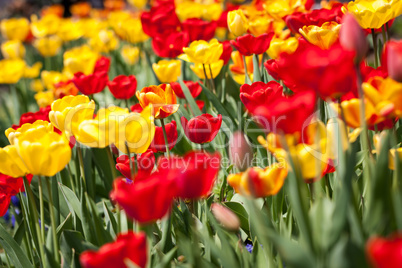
{"points": [[316, 17], [145, 165], [102, 65], [352, 37], [331, 73], [259, 93], [248, 44], [287, 114], [170, 45], [227, 52], [200, 104], [201, 129], [194, 88], [392, 59], [92, 83], [368, 72], [4, 203], [385, 253], [199, 29], [194, 174], [146, 200], [136, 108], [12, 186], [129, 246], [158, 144], [30, 117], [160, 20], [123, 87]]}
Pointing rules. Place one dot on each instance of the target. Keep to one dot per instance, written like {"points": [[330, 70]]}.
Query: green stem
{"points": [[127, 103], [207, 82], [212, 78], [81, 161], [42, 210], [374, 36], [132, 171], [53, 222], [111, 162], [165, 137]]}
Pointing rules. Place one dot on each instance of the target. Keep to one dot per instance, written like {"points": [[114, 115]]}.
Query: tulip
{"points": [[145, 165], [127, 247], [70, 111], [51, 78], [123, 87], [193, 175], [36, 85], [48, 25], [278, 9], [11, 163], [393, 160], [15, 28], [12, 186], [80, 59], [4, 203], [203, 52], [92, 83], [158, 143], [238, 67], [227, 52], [259, 24], [13, 49], [237, 22], [105, 41], [167, 71], [154, 197], [44, 153], [131, 30], [13, 134], [370, 14], [70, 30], [257, 182], [215, 68], [162, 98], [323, 37], [194, 88], [278, 46], [11, 71], [160, 20], [385, 252], [171, 45], [102, 64], [226, 217], [33, 71], [44, 98], [241, 154], [352, 37], [48, 46], [201, 129], [392, 59], [259, 93], [31, 117], [198, 29], [248, 44], [130, 54]]}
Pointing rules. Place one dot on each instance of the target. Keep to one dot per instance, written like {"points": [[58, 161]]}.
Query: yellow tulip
{"points": [[351, 111], [44, 98], [167, 71], [258, 182], [370, 14], [136, 130], [91, 27], [397, 7], [36, 85], [130, 54], [70, 30], [10, 162], [15, 29], [11, 71], [237, 22], [101, 131], [280, 8], [50, 78], [48, 46], [211, 11], [47, 25], [105, 41], [203, 52], [33, 71], [258, 25], [189, 9], [80, 59], [130, 30], [13, 134], [238, 69], [279, 45], [13, 49], [68, 112], [162, 98], [393, 154], [386, 96], [216, 68], [43, 152], [323, 36], [140, 4]]}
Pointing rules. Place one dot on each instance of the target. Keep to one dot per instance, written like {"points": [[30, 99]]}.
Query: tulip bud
{"points": [[241, 154], [237, 22], [13, 49], [393, 52], [392, 155], [226, 217], [352, 37]]}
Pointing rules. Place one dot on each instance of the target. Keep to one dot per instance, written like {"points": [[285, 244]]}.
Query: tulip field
{"points": [[209, 133]]}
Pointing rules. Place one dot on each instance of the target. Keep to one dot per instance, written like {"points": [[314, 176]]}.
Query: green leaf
{"points": [[190, 99], [241, 213]]}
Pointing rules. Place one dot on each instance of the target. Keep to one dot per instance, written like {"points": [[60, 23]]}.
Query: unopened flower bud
{"points": [[226, 217], [352, 37], [241, 154], [237, 22]]}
